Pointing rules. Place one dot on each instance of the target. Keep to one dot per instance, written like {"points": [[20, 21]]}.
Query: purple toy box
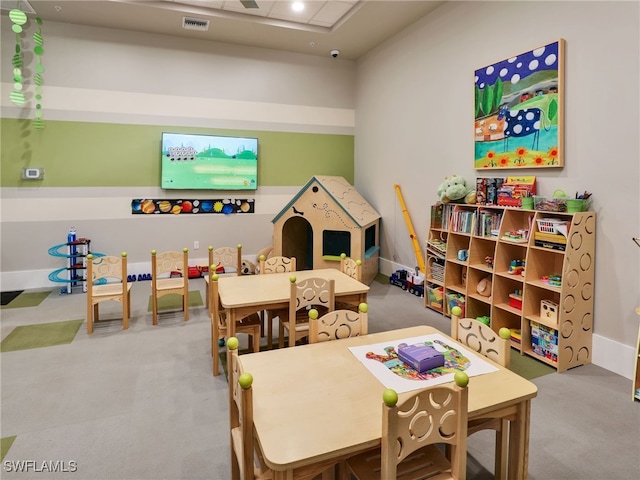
{"points": [[420, 356]]}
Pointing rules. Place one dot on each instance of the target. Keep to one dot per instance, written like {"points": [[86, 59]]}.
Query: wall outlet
{"points": [[196, 245]]}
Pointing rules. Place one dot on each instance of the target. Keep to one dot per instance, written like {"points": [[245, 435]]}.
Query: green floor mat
{"points": [[42, 335], [528, 367], [380, 278], [31, 299], [173, 301], [5, 445]]}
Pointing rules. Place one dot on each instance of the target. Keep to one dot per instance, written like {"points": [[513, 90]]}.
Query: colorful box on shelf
{"points": [[514, 188], [455, 300], [420, 356], [515, 300], [435, 297], [550, 241], [516, 336], [549, 310], [544, 341], [487, 190]]}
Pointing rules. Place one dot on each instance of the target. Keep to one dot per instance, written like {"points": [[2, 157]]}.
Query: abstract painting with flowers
{"points": [[519, 110]]}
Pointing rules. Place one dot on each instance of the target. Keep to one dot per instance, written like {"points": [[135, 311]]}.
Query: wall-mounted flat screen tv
{"points": [[209, 162]]}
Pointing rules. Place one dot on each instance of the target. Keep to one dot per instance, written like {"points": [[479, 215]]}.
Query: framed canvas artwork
{"points": [[519, 110]]}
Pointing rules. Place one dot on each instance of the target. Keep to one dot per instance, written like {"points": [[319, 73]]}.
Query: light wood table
{"points": [[318, 402], [247, 294]]}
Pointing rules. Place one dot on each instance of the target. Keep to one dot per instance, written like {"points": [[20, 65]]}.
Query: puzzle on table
{"points": [[382, 361]]}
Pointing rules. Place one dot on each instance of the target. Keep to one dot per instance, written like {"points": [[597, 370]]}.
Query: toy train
{"points": [[413, 282]]}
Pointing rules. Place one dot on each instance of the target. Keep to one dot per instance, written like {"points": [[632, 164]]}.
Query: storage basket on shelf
{"points": [[556, 204], [550, 225]]}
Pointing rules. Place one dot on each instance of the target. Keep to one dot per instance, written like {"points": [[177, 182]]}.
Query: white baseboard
{"points": [[608, 354], [613, 356]]}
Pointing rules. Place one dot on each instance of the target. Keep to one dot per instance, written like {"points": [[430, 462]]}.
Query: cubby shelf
{"points": [[551, 319]]}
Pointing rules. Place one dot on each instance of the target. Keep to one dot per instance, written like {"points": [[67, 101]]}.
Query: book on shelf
{"points": [[462, 221], [488, 223]]}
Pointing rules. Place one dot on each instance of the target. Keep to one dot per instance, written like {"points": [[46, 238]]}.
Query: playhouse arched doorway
{"points": [[297, 241]]}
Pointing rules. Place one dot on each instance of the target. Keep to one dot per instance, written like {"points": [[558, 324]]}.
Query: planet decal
{"points": [[165, 206], [227, 209], [206, 206], [176, 209], [136, 205], [245, 207], [187, 206], [148, 206]]}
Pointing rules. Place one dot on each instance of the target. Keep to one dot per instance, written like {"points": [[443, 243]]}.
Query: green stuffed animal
{"points": [[455, 189]]}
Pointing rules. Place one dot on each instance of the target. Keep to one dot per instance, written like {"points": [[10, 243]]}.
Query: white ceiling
{"points": [[352, 26]]}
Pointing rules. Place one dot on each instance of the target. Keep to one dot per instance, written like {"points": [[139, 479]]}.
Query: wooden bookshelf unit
{"points": [[529, 271]]}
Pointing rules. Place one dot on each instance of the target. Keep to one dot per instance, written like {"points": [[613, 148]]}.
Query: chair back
{"points": [[168, 262], [277, 264], [351, 267], [226, 257], [217, 313], [100, 269], [315, 292], [338, 324], [435, 415], [240, 415], [481, 338]]}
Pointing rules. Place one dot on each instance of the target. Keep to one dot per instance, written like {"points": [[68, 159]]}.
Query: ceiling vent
{"points": [[23, 5], [190, 23]]}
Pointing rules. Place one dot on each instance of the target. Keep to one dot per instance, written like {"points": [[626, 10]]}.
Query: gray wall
{"points": [[120, 77], [414, 114]]}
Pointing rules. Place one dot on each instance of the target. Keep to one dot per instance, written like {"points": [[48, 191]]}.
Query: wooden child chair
{"points": [[482, 339], [338, 324], [228, 258], [169, 263], [352, 268], [318, 293], [247, 460], [249, 325], [411, 431], [277, 264], [99, 270]]}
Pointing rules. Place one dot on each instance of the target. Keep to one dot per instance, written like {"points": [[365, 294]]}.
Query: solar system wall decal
{"points": [[227, 206]]}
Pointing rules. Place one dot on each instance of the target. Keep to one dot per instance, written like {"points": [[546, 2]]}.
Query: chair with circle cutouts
{"points": [[277, 264], [482, 339], [338, 324], [249, 325], [226, 259], [411, 432], [247, 459], [101, 269], [314, 292], [352, 268], [169, 276]]}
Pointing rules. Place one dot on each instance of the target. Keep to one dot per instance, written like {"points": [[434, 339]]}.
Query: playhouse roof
{"points": [[345, 196]]}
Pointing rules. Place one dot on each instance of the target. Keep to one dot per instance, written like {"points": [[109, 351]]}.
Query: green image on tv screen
{"points": [[209, 162]]}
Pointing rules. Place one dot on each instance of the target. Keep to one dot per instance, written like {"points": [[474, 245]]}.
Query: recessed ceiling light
{"points": [[297, 6]]}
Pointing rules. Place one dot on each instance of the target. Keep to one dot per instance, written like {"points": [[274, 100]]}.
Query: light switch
{"points": [[32, 173]]}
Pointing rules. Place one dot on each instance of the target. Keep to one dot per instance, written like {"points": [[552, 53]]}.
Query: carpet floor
{"points": [[142, 404]]}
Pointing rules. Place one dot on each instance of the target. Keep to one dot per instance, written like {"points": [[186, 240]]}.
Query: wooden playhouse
{"points": [[326, 218]]}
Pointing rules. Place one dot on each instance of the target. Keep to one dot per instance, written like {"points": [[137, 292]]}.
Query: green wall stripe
{"points": [[78, 154]]}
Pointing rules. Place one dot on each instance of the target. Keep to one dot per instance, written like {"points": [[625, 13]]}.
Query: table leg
{"points": [[519, 442], [231, 323]]}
